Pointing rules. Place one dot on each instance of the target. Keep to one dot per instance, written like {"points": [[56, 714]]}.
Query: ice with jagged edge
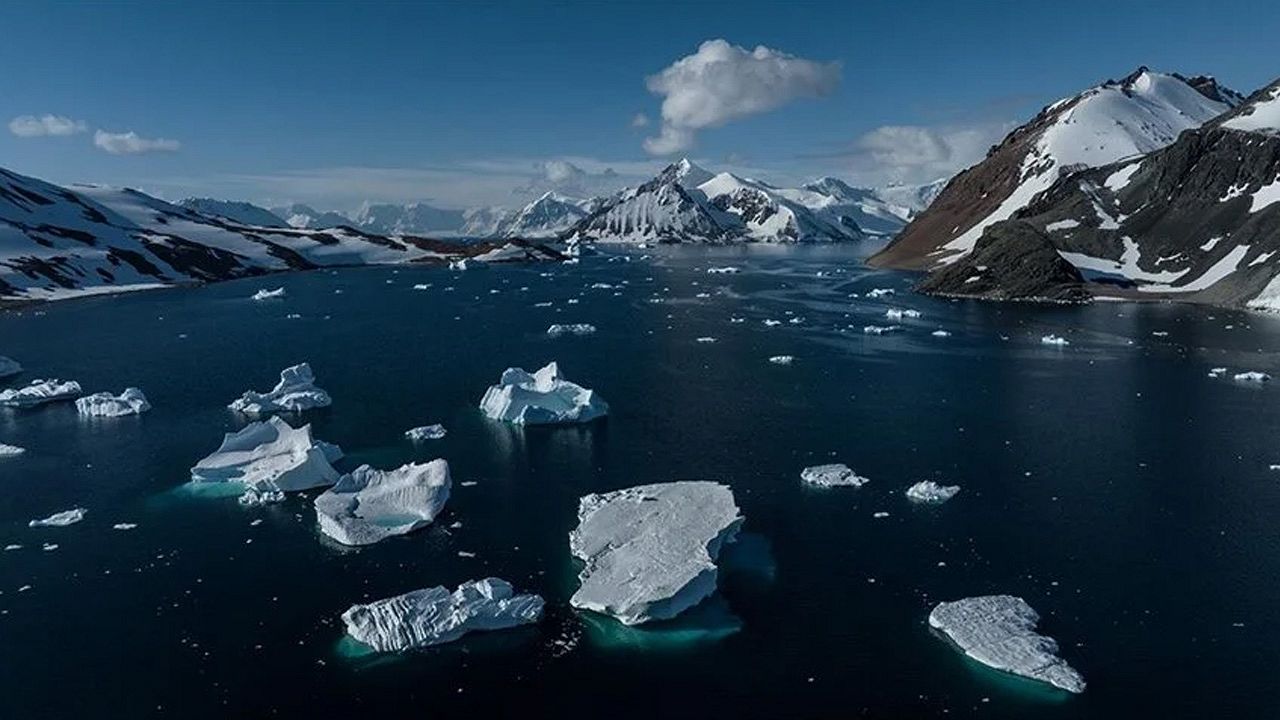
{"points": [[897, 314], [104, 404], [832, 475], [426, 432], [879, 329], [60, 519], [432, 616], [270, 456], [543, 398], [295, 392], [571, 329], [1250, 376], [1000, 631], [782, 359], [265, 294], [928, 491], [649, 552], [39, 392], [369, 505], [1052, 339], [8, 451], [9, 366]]}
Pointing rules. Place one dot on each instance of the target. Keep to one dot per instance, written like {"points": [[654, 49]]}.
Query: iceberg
{"points": [[39, 392], [940, 333], [60, 519], [649, 552], [895, 314], [543, 398], [295, 392], [832, 475], [782, 359], [8, 451], [369, 505], [104, 404], [426, 432], [570, 329], [928, 491], [9, 366], [265, 294], [270, 456], [1000, 631], [1251, 376], [432, 616], [461, 264], [879, 292], [1052, 339], [879, 329], [726, 270]]}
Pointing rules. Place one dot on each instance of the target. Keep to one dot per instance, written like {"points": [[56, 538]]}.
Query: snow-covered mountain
{"points": [[1117, 119], [242, 213], [412, 219], [307, 217], [58, 242], [668, 208], [876, 211]]}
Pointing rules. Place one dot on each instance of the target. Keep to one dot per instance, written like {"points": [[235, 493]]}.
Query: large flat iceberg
{"points": [[295, 392], [369, 505], [40, 392], [543, 398], [1000, 631], [649, 552], [432, 616], [270, 456], [104, 404]]}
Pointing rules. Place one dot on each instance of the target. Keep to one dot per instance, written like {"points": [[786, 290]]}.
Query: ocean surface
{"points": [[1112, 483]]}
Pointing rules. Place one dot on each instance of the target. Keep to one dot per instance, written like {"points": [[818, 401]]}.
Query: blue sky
{"points": [[486, 103]]}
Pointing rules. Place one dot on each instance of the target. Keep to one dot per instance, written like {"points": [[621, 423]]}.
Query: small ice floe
{"points": [[1052, 339], [422, 286], [9, 451], [39, 392], [737, 320], [832, 475], [426, 432], [928, 491], [253, 497], [879, 329], [1159, 333], [8, 367], [124, 526], [11, 547], [541, 398], [897, 314], [650, 551], [782, 359], [49, 547], [293, 316], [270, 456], [940, 333], [265, 294], [880, 515], [879, 292], [432, 616], [1217, 372], [295, 392], [60, 519], [571, 329], [999, 631], [706, 339], [726, 270], [1252, 376], [772, 323], [369, 505], [104, 404]]}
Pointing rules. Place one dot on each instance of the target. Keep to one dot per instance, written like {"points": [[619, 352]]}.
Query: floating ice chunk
{"points": [[460, 264], [879, 329], [570, 329], [1000, 631], [265, 294], [253, 497], [706, 340], [422, 286], [60, 519], [832, 475], [369, 505], [896, 314], [270, 456], [928, 491], [727, 270], [880, 515], [940, 333], [1252, 376], [9, 366], [772, 323], [40, 392], [782, 359], [432, 616], [543, 398], [295, 392], [879, 292], [426, 432], [650, 551], [1217, 372], [124, 526], [1052, 339], [8, 451], [104, 404]]}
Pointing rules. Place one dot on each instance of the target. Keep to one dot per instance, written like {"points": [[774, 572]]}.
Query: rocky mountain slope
{"points": [[232, 211]]}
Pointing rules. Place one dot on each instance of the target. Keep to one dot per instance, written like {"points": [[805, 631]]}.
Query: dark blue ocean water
{"points": [[1111, 483]]}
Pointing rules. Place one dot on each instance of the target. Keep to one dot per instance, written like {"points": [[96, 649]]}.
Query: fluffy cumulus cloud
{"points": [[44, 126], [913, 153], [721, 83], [565, 177], [130, 143]]}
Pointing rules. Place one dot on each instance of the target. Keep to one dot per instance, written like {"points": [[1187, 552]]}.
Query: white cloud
{"points": [[914, 153], [45, 125], [565, 177], [721, 83], [640, 120], [129, 143]]}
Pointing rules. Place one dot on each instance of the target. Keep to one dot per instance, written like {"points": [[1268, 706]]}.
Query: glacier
{"points": [[649, 552], [832, 475], [270, 456], [369, 505], [432, 616], [104, 404], [295, 392], [39, 392], [543, 398]]}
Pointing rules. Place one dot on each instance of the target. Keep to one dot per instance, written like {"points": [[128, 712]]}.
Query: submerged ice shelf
{"points": [[432, 616]]}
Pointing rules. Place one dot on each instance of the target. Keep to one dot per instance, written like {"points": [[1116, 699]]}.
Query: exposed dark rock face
{"points": [[1013, 260]]}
